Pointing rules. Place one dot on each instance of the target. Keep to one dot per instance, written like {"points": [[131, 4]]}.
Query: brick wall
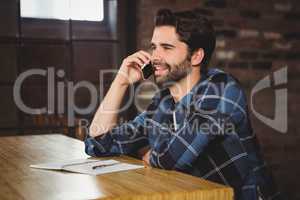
{"points": [[254, 39]]}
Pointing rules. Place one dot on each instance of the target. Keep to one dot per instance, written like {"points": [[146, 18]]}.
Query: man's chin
{"points": [[160, 80], [164, 81], [161, 77]]}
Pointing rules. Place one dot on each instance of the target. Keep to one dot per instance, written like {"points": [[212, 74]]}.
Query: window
{"points": [[91, 10]]}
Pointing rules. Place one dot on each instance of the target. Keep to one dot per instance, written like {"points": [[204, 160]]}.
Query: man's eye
{"points": [[152, 48], [167, 48]]}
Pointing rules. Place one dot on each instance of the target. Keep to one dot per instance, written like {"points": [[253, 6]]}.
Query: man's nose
{"points": [[156, 55]]}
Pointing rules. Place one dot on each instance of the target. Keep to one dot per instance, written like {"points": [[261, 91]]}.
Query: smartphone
{"points": [[147, 70]]}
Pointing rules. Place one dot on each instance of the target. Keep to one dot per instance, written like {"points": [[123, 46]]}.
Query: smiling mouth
{"points": [[160, 70], [160, 67]]}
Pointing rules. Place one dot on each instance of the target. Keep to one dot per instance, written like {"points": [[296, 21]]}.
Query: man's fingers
{"points": [[146, 163], [135, 60], [146, 158], [142, 56], [146, 55]]}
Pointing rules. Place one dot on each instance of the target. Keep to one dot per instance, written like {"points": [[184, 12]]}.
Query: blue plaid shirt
{"points": [[206, 134]]}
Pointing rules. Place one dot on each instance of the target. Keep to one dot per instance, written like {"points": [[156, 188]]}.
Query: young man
{"points": [[198, 123]]}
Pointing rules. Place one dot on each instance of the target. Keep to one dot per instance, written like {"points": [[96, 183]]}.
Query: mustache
{"points": [[160, 64]]}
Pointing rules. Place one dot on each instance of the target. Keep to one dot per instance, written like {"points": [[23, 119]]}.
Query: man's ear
{"points": [[197, 57]]}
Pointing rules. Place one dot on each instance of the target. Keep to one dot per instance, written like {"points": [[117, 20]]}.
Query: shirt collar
{"points": [[186, 101]]}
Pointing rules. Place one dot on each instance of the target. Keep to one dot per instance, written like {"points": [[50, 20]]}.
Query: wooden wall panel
{"points": [[90, 31], [8, 110], [9, 18], [45, 29], [91, 57], [8, 63], [43, 56], [34, 100]]}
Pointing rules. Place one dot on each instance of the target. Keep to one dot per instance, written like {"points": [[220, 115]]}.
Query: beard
{"points": [[175, 73]]}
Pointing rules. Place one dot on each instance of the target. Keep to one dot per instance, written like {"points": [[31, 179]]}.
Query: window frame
{"points": [[37, 28]]}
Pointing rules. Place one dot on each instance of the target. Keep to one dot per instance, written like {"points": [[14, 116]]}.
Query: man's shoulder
{"points": [[216, 75], [219, 89], [215, 78], [218, 82]]}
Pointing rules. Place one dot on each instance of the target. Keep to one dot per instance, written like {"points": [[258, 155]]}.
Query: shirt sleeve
{"points": [[216, 113], [124, 139]]}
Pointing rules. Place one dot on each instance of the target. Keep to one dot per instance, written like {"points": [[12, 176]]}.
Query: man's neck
{"points": [[184, 86]]}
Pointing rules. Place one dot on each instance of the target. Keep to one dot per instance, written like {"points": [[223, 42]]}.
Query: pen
{"points": [[103, 165], [74, 164]]}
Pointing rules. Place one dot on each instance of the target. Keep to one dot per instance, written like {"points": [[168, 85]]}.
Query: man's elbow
{"points": [[97, 130], [91, 132], [94, 130]]}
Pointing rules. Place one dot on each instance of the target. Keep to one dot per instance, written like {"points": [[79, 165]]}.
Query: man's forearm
{"points": [[107, 113]]}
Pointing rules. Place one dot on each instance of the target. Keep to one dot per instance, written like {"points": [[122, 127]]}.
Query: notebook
{"points": [[88, 166]]}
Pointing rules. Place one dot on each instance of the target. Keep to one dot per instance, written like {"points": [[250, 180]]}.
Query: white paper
{"points": [[61, 165], [89, 166]]}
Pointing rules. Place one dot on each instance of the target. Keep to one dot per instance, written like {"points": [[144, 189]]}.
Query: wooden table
{"points": [[18, 181]]}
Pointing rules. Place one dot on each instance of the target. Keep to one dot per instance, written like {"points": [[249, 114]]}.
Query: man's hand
{"points": [[130, 70], [107, 114], [146, 158]]}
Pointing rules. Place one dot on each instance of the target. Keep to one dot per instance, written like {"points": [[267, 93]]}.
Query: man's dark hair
{"points": [[193, 29]]}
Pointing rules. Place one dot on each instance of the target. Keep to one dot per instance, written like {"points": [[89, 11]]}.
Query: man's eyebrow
{"points": [[163, 44], [167, 45]]}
